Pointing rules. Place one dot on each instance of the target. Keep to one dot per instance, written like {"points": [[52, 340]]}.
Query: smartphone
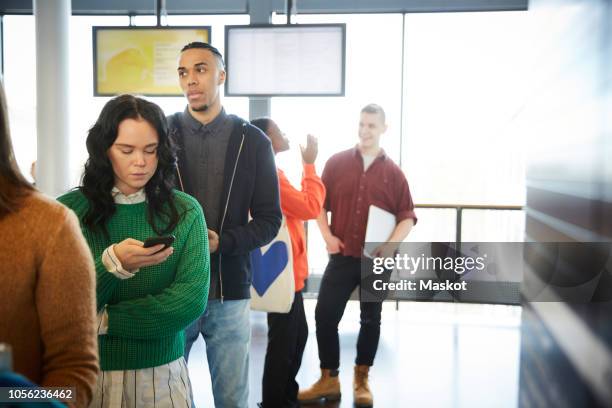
{"points": [[152, 241]]}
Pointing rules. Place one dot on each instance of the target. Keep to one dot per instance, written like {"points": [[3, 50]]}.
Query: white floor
{"points": [[430, 355]]}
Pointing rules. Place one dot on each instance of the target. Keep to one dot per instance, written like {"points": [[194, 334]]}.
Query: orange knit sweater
{"points": [[299, 206], [47, 297]]}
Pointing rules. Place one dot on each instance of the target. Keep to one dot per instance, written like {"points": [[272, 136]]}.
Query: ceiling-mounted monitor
{"points": [[285, 60], [140, 60]]}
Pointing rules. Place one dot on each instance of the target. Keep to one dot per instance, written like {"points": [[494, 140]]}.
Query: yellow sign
{"points": [[141, 60]]}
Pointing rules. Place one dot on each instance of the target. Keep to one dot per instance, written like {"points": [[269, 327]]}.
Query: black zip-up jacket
{"points": [[250, 186]]}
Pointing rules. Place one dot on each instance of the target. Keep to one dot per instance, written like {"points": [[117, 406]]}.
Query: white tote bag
{"points": [[273, 286]]}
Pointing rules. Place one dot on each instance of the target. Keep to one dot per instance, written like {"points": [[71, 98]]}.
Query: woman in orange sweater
{"points": [[288, 332], [46, 283]]}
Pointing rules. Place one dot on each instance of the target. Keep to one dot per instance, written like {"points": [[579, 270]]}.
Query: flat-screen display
{"points": [[140, 60], [285, 60]]}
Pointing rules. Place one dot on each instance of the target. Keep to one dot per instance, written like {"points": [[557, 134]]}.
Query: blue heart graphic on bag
{"points": [[267, 267]]}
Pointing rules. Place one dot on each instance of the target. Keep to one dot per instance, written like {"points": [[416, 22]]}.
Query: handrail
{"points": [[471, 206], [460, 207]]}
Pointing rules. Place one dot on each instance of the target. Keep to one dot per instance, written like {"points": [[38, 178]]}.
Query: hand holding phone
{"points": [[134, 255], [152, 241]]}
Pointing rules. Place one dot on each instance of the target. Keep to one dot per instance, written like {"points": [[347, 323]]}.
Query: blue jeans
{"points": [[226, 330]]}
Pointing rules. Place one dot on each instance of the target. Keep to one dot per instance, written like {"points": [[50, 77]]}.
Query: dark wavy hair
{"points": [[99, 179], [13, 186]]}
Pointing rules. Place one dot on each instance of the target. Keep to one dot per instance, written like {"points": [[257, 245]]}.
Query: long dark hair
{"points": [[99, 179], [13, 186]]}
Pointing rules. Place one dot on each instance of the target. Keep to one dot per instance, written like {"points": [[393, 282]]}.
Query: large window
{"points": [[373, 75], [20, 80], [449, 82], [449, 105], [464, 82]]}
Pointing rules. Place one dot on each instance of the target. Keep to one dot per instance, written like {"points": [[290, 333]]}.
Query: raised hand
{"points": [[309, 153]]}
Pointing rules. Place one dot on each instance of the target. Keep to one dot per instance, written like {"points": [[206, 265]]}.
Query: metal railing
{"points": [[314, 279], [460, 207]]}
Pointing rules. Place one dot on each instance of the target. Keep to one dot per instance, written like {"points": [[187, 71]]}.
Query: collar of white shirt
{"points": [[134, 198]]}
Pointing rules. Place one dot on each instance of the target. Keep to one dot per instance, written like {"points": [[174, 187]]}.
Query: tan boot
{"points": [[327, 387], [362, 396]]}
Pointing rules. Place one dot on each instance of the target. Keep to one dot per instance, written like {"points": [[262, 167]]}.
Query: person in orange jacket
{"points": [[288, 332]]}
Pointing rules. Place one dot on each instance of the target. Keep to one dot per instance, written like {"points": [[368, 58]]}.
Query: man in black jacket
{"points": [[228, 166]]}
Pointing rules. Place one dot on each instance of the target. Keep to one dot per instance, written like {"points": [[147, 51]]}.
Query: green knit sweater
{"points": [[147, 314]]}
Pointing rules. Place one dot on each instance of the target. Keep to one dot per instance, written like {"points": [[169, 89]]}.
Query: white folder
{"points": [[381, 224]]}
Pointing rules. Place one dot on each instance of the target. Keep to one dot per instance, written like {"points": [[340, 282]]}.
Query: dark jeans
{"points": [[341, 277], [287, 335]]}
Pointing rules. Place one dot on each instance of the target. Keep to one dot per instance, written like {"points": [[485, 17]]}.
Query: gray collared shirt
{"points": [[205, 149]]}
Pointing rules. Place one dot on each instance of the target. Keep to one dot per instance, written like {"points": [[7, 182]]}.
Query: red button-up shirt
{"points": [[351, 191]]}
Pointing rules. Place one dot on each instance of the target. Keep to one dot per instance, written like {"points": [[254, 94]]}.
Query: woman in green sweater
{"points": [[146, 297]]}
